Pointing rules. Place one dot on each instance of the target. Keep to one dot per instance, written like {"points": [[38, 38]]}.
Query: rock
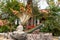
{"points": [[18, 36], [25, 36], [19, 28], [40, 36]]}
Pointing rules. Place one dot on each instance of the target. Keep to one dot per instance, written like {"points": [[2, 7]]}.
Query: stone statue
{"points": [[19, 34]]}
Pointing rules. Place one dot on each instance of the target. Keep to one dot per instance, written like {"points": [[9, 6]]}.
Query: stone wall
{"points": [[41, 36]]}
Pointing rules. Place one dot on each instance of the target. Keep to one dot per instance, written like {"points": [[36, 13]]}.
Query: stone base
{"points": [[41, 36]]}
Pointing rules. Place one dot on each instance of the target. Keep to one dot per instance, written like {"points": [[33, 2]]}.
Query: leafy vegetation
{"points": [[50, 18], [52, 21], [7, 14]]}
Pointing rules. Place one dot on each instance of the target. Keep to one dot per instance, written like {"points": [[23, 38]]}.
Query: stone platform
{"points": [[41, 36]]}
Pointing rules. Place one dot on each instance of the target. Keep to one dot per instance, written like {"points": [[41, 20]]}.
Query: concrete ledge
{"points": [[40, 36]]}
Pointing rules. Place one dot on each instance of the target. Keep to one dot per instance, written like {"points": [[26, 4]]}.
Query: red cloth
{"points": [[30, 27]]}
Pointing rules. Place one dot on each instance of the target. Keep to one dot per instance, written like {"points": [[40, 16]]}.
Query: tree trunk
{"points": [[29, 1]]}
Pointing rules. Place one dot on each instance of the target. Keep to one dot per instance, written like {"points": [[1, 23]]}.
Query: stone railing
{"points": [[40, 36]]}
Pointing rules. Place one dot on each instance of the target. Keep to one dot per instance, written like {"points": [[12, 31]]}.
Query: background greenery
{"points": [[51, 21], [8, 15]]}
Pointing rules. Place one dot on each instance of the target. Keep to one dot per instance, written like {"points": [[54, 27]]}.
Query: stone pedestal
{"points": [[41, 36]]}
